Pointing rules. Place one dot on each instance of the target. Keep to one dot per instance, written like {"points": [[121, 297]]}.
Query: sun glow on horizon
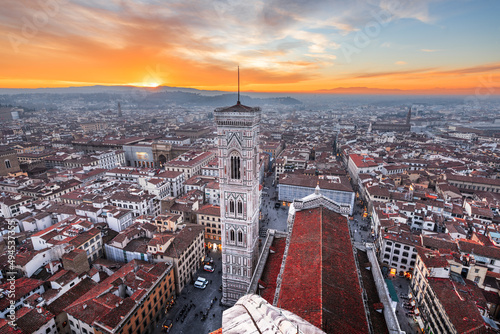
{"points": [[145, 84]]}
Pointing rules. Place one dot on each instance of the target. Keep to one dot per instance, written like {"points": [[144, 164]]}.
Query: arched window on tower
{"points": [[231, 235], [240, 237], [235, 167], [231, 206], [240, 207]]}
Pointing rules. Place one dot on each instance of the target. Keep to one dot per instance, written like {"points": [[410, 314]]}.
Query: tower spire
{"points": [[238, 85]]}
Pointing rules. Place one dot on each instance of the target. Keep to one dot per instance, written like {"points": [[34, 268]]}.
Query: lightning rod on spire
{"points": [[238, 85]]}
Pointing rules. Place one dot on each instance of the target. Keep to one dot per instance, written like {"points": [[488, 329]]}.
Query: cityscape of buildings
{"points": [[348, 182], [358, 217]]}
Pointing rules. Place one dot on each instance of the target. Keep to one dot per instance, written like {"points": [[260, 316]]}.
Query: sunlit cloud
{"points": [[291, 43]]}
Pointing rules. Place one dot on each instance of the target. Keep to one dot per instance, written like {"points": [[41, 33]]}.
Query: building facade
{"points": [[237, 135], [209, 216], [293, 186], [8, 162]]}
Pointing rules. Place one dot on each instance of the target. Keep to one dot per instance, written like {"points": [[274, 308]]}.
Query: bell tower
{"points": [[237, 136]]}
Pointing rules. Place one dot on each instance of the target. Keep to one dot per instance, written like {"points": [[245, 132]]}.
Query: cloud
{"points": [[432, 72], [418, 10], [197, 42], [391, 73], [429, 50], [400, 62], [474, 69]]}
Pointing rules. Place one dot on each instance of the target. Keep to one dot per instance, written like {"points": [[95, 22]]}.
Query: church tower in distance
{"points": [[237, 135]]}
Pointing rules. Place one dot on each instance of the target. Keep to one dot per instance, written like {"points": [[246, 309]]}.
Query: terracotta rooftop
{"points": [[432, 259], [30, 320], [101, 305], [459, 306], [183, 239], [24, 286], [58, 305], [210, 210], [320, 281], [363, 161], [272, 269]]}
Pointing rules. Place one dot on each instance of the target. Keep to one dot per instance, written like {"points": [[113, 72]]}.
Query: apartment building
{"points": [[184, 249], [132, 300], [209, 217], [445, 303], [189, 163]]}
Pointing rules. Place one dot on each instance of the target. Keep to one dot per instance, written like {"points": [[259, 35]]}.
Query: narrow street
{"points": [[195, 302], [272, 217], [405, 318]]}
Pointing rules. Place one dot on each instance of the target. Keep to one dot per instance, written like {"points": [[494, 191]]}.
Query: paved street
{"points": [[272, 217], [360, 227], [406, 322], [201, 301]]}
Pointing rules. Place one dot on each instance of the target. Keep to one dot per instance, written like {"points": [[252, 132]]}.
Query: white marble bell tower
{"points": [[237, 135]]}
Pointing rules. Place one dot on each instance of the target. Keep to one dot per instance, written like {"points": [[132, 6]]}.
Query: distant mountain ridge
{"points": [[333, 91], [146, 97]]}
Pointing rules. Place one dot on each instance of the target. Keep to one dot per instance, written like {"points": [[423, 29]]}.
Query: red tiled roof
{"points": [[468, 246], [23, 285], [320, 281], [211, 210], [272, 269], [58, 305], [471, 179], [459, 306], [30, 320], [362, 161], [99, 302]]}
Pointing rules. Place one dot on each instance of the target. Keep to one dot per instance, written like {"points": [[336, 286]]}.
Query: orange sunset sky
{"points": [[439, 47]]}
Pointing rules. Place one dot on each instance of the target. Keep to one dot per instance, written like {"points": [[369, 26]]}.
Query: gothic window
{"points": [[235, 167], [7, 164], [231, 235], [231, 206], [240, 207], [240, 236]]}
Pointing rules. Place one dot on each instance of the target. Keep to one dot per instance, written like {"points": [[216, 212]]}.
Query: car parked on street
{"points": [[208, 268], [167, 324], [202, 279], [200, 284]]}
